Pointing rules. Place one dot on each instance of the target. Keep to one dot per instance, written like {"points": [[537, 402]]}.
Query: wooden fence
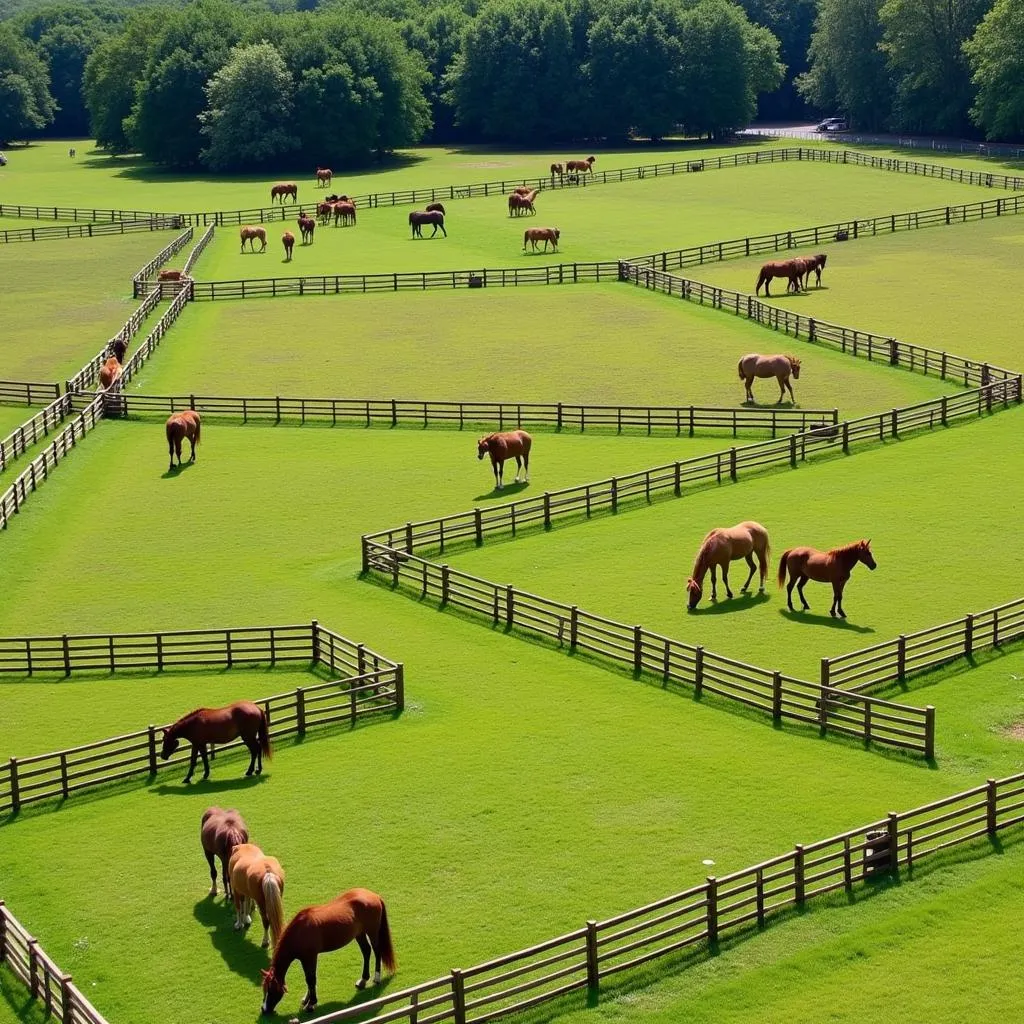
{"points": [[737, 904], [77, 213], [895, 660], [366, 683], [392, 412], [27, 392], [33, 430], [197, 250], [849, 340], [120, 227], [141, 279]]}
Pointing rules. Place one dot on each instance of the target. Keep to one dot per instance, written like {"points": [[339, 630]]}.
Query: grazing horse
{"points": [[817, 264], [779, 367], [110, 373], [545, 235], [284, 188], [792, 270], [220, 832], [251, 232], [833, 567], [417, 218], [181, 425], [357, 914], [257, 878], [344, 211], [436, 208], [323, 177], [583, 166], [512, 444], [557, 169], [722, 546], [288, 241], [220, 725], [307, 225]]}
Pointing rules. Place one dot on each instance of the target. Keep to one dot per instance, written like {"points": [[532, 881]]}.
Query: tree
{"points": [[26, 106], [250, 101], [436, 34], [923, 42], [996, 58]]}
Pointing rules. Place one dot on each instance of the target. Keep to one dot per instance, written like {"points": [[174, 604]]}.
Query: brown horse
{"points": [[417, 218], [110, 373], [519, 203], [288, 241], [220, 725], [249, 233], [792, 270], [323, 177], [171, 275], [583, 166], [220, 832], [344, 211], [257, 878], [512, 444], [181, 425], [436, 208], [284, 188], [779, 367], [545, 235], [833, 567], [118, 348], [524, 190], [307, 225], [324, 211], [722, 546], [557, 169], [817, 264], [357, 914]]}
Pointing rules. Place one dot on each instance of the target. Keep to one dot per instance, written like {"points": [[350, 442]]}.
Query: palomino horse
{"points": [[833, 567], [257, 878], [722, 546], [545, 235], [779, 367], [284, 188], [583, 166], [357, 914], [436, 208], [249, 233], [323, 177], [792, 270], [110, 373], [181, 425], [288, 241], [344, 211], [512, 444], [220, 832], [417, 218], [307, 225], [220, 725]]}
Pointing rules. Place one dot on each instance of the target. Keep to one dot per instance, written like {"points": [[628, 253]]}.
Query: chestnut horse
{"points": [[357, 914], [257, 878], [817, 264], [557, 169], [220, 725], [307, 225], [323, 177], [181, 425], [779, 367], [251, 232], [171, 275], [792, 270], [288, 241], [722, 546], [512, 444], [519, 202], [345, 211], [417, 218], [545, 235], [580, 165], [220, 832], [833, 567], [110, 373], [284, 188]]}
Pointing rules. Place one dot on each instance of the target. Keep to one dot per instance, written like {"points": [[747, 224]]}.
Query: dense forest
{"points": [[224, 84]]}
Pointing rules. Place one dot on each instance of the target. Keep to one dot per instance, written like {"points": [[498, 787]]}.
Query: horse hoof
{"points": [[239, 926], [376, 978], [213, 891], [265, 943], [248, 921], [361, 984]]}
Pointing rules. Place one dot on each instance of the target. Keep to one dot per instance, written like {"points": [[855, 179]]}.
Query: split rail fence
{"points": [[27, 392], [141, 279], [34, 429], [367, 683], [119, 227]]}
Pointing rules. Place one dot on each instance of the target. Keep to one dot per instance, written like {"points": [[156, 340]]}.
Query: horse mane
{"points": [[793, 360], [700, 565], [186, 719], [845, 549]]}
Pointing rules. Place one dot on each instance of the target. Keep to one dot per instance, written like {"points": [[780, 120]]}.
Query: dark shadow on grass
{"points": [[508, 489], [240, 951], [176, 471], [810, 619], [739, 603], [334, 1005], [210, 785], [15, 996]]}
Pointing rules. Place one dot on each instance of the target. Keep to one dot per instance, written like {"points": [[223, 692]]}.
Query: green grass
{"points": [[12, 417]]}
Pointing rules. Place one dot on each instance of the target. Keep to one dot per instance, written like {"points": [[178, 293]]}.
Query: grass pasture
{"points": [[521, 791]]}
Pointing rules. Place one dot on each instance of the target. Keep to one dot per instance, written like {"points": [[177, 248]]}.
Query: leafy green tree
{"points": [[791, 22], [996, 58], [26, 106], [436, 34], [337, 114]]}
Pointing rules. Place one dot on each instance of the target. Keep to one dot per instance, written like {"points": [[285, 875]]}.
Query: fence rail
{"points": [[27, 392], [895, 660], [197, 250], [34, 429], [77, 213], [141, 278], [119, 227]]}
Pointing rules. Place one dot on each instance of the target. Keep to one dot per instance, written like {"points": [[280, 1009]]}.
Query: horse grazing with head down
{"points": [[257, 878], [357, 914], [417, 218], [512, 444], [220, 725], [545, 235], [179, 426], [833, 567], [220, 832], [779, 367], [323, 177], [249, 233], [519, 203], [288, 241], [791, 270], [284, 188], [722, 546]]}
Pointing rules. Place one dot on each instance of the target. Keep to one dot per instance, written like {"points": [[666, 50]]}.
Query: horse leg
{"points": [[443, 231], [782, 390], [837, 602], [206, 762], [265, 921], [364, 948], [254, 749], [792, 397], [526, 467], [714, 583], [213, 873], [227, 877], [498, 468], [725, 579], [789, 592], [800, 590], [519, 466], [239, 901], [750, 563], [192, 763], [192, 445], [309, 970], [762, 558]]}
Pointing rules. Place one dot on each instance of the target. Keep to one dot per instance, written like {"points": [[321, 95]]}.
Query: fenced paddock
{"points": [[27, 392], [142, 276], [90, 230], [35, 429]]}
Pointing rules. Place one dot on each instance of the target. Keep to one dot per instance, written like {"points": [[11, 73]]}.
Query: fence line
{"points": [[197, 251], [27, 392], [982, 149], [145, 273], [32, 430], [77, 213], [895, 660], [120, 227]]}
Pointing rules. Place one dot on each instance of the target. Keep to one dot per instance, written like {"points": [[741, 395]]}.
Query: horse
{"points": [[517, 203], [722, 546], [324, 211], [833, 567], [181, 425], [257, 878], [779, 367], [788, 269], [220, 832], [171, 275], [110, 373], [345, 211], [307, 225], [250, 232], [118, 347], [220, 725], [417, 218], [288, 241], [584, 166], [557, 169], [357, 914], [523, 190], [817, 264], [512, 444], [323, 177], [545, 235], [284, 188], [436, 208]]}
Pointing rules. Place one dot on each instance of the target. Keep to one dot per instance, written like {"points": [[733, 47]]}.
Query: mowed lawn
{"points": [[598, 344], [950, 288]]}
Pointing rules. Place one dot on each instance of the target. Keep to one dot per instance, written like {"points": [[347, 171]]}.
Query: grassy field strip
{"points": [[32, 431], [142, 276]]}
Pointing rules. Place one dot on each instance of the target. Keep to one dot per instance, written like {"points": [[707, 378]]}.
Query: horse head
{"points": [[794, 365], [273, 989], [483, 446], [864, 554], [695, 593], [558, 234], [591, 160], [170, 743]]}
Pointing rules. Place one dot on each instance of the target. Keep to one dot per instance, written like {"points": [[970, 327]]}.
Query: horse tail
{"points": [[761, 278], [263, 735], [782, 567], [170, 438], [273, 905], [385, 948], [739, 370], [199, 427]]}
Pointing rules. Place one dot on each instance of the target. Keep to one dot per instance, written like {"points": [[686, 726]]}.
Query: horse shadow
{"points": [[170, 474], [495, 494], [208, 786], [239, 950], [739, 603], [358, 997], [824, 620]]}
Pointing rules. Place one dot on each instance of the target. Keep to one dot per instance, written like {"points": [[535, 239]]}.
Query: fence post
{"points": [[798, 875], [698, 670], [776, 696], [458, 996], [712, 898], [67, 655], [67, 1010], [893, 422], [3, 932], [33, 967], [315, 640], [300, 710], [991, 822], [968, 635], [792, 450], [558, 421], [366, 554], [593, 968], [893, 828], [444, 584], [846, 437], [574, 626], [901, 656], [151, 737], [15, 792], [929, 731], [510, 597], [615, 494], [479, 523], [361, 659], [638, 650], [547, 510], [732, 464], [400, 686]]}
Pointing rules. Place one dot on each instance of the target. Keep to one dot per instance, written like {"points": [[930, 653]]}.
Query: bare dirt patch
{"points": [[1015, 731]]}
